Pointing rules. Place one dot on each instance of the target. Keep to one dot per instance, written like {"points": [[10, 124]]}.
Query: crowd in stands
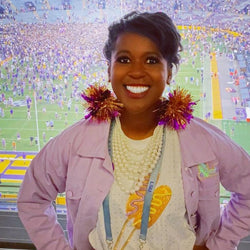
{"points": [[199, 9], [56, 54], [45, 58], [219, 6], [55, 58]]}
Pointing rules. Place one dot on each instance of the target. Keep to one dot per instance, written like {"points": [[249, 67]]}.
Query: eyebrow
{"points": [[147, 53], [122, 51]]}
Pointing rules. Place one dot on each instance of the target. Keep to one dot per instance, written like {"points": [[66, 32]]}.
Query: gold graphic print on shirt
{"points": [[134, 208]]}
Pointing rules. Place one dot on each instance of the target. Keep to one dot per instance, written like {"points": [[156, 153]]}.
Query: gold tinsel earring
{"points": [[100, 103], [176, 111]]}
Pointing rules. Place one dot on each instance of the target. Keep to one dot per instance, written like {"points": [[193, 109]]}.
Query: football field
{"points": [[24, 131]]}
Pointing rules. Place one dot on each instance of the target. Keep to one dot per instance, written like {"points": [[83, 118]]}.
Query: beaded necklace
{"points": [[147, 198], [132, 164]]}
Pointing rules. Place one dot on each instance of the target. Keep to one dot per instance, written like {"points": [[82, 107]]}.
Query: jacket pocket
{"points": [[209, 202], [209, 181], [73, 194]]}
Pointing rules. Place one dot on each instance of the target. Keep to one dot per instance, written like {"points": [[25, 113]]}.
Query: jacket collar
{"points": [[195, 148]]}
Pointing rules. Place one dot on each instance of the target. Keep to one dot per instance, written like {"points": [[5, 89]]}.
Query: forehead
{"points": [[135, 42]]}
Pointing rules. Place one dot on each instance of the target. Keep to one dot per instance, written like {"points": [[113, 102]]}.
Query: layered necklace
{"points": [[125, 173], [132, 165]]}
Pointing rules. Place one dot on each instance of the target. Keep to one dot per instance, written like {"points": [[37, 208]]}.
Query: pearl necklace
{"points": [[132, 165]]}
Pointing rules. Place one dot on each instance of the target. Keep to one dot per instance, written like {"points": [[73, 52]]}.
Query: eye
{"points": [[152, 60], [123, 59]]}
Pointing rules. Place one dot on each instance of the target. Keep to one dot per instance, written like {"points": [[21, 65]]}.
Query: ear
{"points": [[169, 76]]}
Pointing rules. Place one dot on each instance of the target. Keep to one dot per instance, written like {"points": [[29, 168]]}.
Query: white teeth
{"points": [[137, 89]]}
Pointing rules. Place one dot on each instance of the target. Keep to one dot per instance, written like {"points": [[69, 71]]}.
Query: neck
{"points": [[138, 126]]}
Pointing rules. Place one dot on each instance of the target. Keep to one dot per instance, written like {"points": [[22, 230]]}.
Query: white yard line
{"points": [[37, 127]]}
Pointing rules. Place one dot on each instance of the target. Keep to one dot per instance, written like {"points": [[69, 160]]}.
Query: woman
{"points": [[138, 172]]}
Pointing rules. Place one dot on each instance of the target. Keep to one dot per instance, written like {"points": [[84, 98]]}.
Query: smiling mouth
{"points": [[137, 89]]}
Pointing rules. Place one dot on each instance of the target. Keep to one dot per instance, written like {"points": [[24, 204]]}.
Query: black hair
{"points": [[157, 26]]}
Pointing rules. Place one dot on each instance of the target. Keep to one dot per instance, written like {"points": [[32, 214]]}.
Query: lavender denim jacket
{"points": [[77, 162]]}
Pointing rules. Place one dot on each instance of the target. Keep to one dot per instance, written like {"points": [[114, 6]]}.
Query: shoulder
{"points": [[82, 134], [85, 129], [199, 129], [203, 127], [203, 142]]}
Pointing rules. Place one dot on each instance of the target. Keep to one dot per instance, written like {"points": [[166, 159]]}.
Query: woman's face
{"points": [[138, 72]]}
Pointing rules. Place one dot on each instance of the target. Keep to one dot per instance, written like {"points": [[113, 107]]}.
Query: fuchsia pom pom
{"points": [[100, 104], [176, 111]]}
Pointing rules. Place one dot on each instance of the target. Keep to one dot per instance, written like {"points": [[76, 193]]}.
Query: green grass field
{"points": [[36, 126], [11, 125]]}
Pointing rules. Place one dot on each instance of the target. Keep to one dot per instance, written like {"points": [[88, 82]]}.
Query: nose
{"points": [[137, 70]]}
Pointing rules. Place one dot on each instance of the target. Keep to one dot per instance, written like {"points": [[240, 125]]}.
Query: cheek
{"points": [[161, 74], [163, 79], [114, 72], [163, 83]]}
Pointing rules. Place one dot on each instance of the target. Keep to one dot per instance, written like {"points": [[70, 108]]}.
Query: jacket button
{"points": [[192, 193]]}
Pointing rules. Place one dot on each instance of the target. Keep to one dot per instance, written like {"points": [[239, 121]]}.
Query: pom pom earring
{"points": [[100, 104], [176, 111]]}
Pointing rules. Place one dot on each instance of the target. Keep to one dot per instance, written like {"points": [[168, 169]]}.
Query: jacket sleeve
{"points": [[44, 179], [234, 171]]}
